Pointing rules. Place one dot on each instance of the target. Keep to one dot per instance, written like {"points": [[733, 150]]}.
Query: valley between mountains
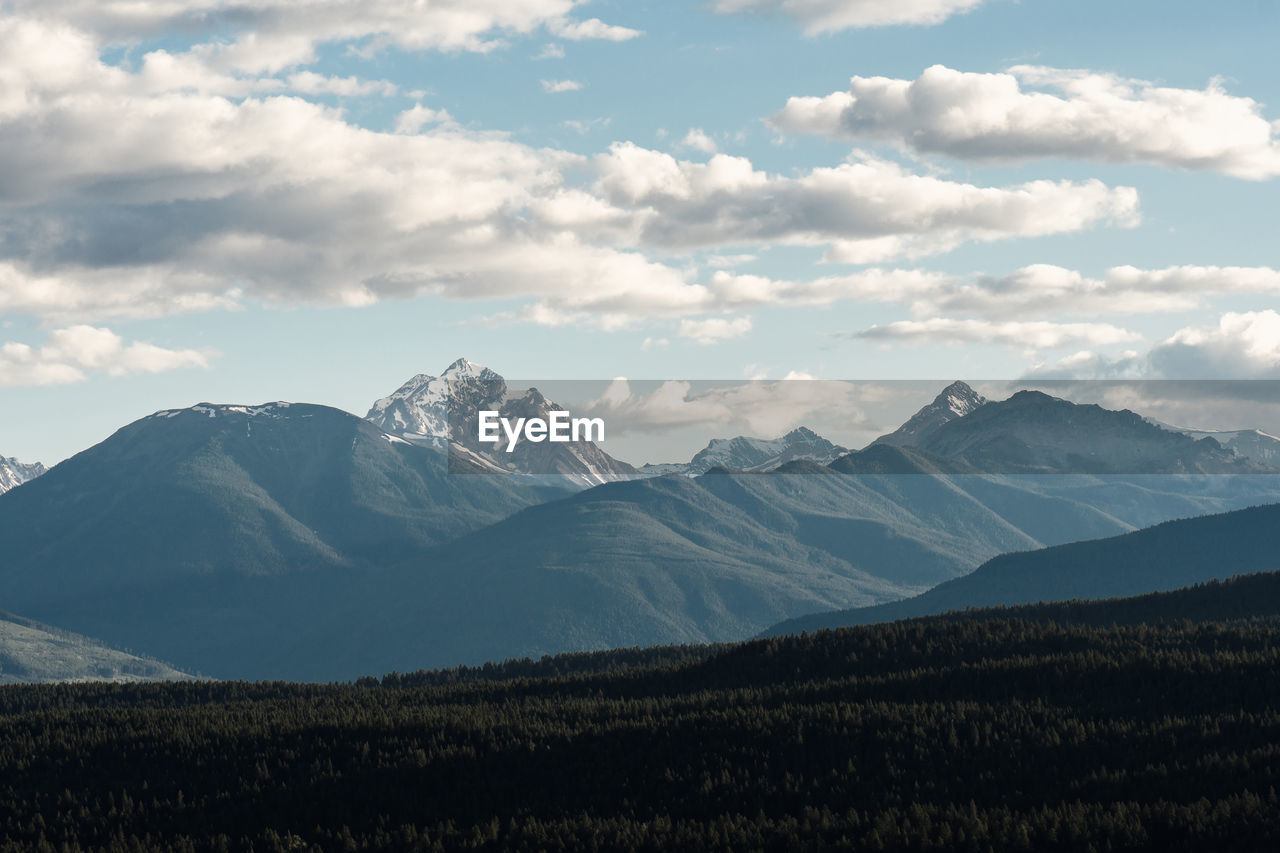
{"points": [[298, 541]]}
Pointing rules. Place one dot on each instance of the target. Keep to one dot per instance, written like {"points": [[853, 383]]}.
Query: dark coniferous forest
{"points": [[1092, 726]]}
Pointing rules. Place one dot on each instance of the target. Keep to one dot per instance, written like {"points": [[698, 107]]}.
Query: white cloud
{"points": [[417, 117], [1032, 335], [311, 83], [761, 408], [1031, 112], [551, 50], [75, 292], [1028, 291], [557, 86], [128, 200], [714, 329], [71, 354], [1122, 290], [1241, 345], [281, 32], [586, 125], [592, 28], [866, 211], [729, 260], [820, 16], [699, 141]]}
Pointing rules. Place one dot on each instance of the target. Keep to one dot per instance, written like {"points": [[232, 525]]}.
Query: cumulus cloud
{"points": [[866, 211], [617, 304], [71, 354], [583, 126], [730, 260], [417, 117], [699, 141], [556, 86], [1030, 112], [1030, 290], [714, 329], [1241, 345], [129, 193], [592, 28], [283, 32], [820, 16], [311, 83], [1031, 335], [1122, 290], [762, 408], [123, 202]]}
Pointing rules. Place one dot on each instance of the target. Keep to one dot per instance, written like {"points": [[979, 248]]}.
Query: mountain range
{"points": [[294, 540], [1166, 556], [1034, 433], [440, 411], [753, 454], [1252, 443], [14, 473]]}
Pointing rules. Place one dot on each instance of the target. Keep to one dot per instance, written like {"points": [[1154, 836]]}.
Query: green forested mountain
{"points": [[975, 734], [1243, 597], [300, 541], [224, 535], [1166, 556], [708, 559], [32, 652]]}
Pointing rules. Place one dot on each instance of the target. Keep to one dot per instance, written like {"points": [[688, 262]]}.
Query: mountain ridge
{"points": [[441, 411], [14, 473], [744, 453], [1166, 556]]}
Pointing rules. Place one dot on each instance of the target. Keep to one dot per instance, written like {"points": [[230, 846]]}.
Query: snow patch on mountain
{"points": [[14, 473], [213, 410], [419, 409], [431, 410], [1250, 443], [956, 401], [744, 453]]}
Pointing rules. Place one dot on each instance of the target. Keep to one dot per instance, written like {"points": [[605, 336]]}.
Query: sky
{"points": [[313, 200]]}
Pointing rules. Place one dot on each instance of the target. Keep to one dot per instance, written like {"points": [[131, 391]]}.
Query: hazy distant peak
{"points": [[800, 433], [743, 453], [1249, 443]]}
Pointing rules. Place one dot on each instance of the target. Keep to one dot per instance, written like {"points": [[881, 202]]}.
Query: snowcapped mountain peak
{"points": [[430, 410], [14, 473], [800, 433], [960, 399], [955, 401], [463, 369], [743, 453]]}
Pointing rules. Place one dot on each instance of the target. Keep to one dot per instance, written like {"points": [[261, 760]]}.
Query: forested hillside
{"points": [[972, 735]]}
